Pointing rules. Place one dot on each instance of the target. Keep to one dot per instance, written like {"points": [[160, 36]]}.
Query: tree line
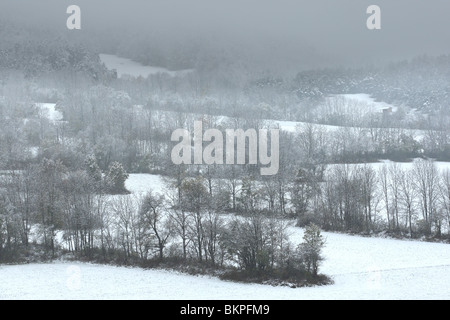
{"points": [[50, 196], [63, 182], [38, 202], [358, 198], [88, 214]]}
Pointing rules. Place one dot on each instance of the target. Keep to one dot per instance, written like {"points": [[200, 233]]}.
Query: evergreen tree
{"points": [[311, 248], [116, 178], [93, 169]]}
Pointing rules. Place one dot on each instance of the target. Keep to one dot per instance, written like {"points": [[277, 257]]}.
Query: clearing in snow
{"points": [[128, 67], [362, 268]]}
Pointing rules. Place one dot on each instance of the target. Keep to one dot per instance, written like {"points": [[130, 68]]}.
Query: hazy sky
{"points": [[335, 29]]}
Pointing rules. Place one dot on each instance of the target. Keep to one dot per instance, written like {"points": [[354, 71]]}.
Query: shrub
{"points": [[306, 219], [423, 227]]}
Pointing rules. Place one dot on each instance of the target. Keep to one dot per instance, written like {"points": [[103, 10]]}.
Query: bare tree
{"points": [[330, 203], [47, 183], [196, 200], [369, 194], [269, 192], [80, 219], [445, 195], [394, 187], [427, 183], [213, 226], [408, 194], [127, 225], [20, 195], [153, 216], [181, 220], [234, 183], [384, 180]]}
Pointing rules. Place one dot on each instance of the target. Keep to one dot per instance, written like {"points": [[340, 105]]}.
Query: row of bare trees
{"points": [[360, 198], [411, 199], [50, 207], [188, 223], [53, 206]]}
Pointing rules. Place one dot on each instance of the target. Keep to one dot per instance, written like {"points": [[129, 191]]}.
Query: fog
{"points": [[307, 33], [112, 138]]}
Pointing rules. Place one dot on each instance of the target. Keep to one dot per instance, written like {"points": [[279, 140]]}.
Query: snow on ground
{"points": [[366, 99], [48, 110], [441, 166], [360, 103], [291, 126], [362, 268], [141, 183], [132, 68]]}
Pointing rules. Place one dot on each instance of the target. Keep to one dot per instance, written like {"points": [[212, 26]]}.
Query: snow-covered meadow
{"points": [[73, 122], [127, 67], [362, 268]]}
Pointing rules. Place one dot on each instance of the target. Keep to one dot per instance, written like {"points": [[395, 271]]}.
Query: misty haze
{"points": [[105, 128]]}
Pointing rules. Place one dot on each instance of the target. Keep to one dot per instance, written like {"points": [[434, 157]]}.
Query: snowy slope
{"points": [[132, 68], [360, 103], [362, 268], [363, 99]]}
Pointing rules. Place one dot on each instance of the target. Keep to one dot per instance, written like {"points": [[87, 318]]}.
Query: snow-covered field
{"points": [[367, 100], [362, 268], [132, 68], [138, 183], [141, 183], [360, 103], [441, 166]]}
